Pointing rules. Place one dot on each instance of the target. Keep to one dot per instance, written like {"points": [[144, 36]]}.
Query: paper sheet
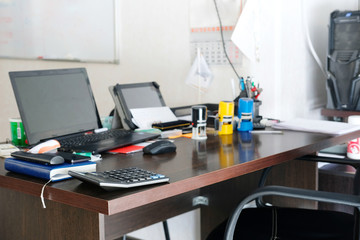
{"points": [[145, 117], [246, 32], [318, 126]]}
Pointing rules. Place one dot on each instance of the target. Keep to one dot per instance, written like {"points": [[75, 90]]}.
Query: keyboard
{"points": [[120, 178], [82, 140]]}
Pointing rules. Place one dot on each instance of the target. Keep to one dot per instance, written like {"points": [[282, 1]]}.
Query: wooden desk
{"points": [[335, 113], [223, 169]]}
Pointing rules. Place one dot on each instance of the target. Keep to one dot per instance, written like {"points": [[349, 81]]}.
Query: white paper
{"points": [[318, 126], [200, 75], [145, 117], [245, 35]]}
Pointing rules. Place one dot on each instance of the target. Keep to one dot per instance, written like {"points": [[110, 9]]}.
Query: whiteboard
{"points": [[74, 30]]}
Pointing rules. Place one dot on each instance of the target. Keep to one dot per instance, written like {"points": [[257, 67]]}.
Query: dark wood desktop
{"points": [[223, 169], [341, 115]]}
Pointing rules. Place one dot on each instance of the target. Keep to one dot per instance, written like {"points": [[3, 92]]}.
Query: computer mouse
{"points": [[158, 147]]}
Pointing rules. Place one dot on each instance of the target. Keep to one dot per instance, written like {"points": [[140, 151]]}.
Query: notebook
{"points": [[59, 104]]}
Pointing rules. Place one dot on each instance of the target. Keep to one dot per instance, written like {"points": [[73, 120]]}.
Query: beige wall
{"points": [[154, 46]]}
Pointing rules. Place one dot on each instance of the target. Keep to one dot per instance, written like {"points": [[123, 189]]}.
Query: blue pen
{"points": [[242, 84]]}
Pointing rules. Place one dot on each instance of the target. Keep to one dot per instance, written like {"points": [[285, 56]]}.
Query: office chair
{"points": [[276, 223]]}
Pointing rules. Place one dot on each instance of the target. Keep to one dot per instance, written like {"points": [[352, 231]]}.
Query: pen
{"points": [[248, 87], [267, 131], [242, 85]]}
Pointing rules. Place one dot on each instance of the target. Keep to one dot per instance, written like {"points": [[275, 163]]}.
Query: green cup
{"points": [[18, 136]]}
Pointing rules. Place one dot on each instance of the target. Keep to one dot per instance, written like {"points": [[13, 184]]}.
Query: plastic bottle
{"points": [[353, 148]]}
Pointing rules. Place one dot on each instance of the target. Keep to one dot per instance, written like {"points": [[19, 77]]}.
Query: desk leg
{"points": [[22, 217]]}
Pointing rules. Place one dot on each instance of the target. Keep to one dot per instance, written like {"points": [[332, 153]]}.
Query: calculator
{"points": [[121, 178]]}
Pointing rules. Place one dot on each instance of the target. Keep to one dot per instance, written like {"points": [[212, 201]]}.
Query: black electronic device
{"points": [[59, 104], [42, 158], [159, 147], [179, 124], [343, 61], [131, 96], [120, 178], [71, 157]]}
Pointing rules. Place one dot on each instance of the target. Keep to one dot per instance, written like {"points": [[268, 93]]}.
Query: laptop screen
{"points": [[54, 103]]}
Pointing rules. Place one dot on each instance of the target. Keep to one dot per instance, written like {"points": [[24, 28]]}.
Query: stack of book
{"points": [[54, 172]]}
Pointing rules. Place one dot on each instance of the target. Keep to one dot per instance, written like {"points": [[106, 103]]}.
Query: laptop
{"points": [[59, 104]]}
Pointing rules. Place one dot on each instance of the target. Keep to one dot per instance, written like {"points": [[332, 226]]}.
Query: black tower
{"points": [[343, 61]]}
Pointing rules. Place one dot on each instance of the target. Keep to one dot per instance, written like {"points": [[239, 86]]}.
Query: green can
{"points": [[18, 136]]}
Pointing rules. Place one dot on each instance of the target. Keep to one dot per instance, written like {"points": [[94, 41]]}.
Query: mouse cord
{"points": [[42, 193]]}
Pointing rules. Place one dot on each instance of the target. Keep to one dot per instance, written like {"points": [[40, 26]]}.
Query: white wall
{"points": [[155, 47], [293, 82]]}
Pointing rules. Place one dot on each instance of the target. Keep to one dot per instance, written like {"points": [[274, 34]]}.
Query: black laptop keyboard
{"points": [[93, 138]]}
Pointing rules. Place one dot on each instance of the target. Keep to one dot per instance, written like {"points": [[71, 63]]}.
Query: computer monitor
{"points": [[54, 103]]}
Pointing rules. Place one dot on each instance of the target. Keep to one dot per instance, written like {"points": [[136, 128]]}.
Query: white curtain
{"points": [[277, 37]]}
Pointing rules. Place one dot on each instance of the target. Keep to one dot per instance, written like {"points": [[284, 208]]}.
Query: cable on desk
{"points": [[223, 41], [42, 193]]}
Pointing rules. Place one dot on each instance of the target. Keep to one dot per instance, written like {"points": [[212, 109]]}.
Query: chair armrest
{"points": [[329, 197], [313, 158]]}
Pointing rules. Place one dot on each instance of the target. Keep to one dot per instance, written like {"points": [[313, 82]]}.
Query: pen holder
{"points": [[256, 115], [245, 114]]}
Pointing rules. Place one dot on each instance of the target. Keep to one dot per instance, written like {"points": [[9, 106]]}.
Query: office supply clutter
{"points": [[6, 149], [59, 104], [224, 121], [41, 158], [199, 118], [249, 90], [54, 172], [47, 153], [245, 114], [121, 178]]}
